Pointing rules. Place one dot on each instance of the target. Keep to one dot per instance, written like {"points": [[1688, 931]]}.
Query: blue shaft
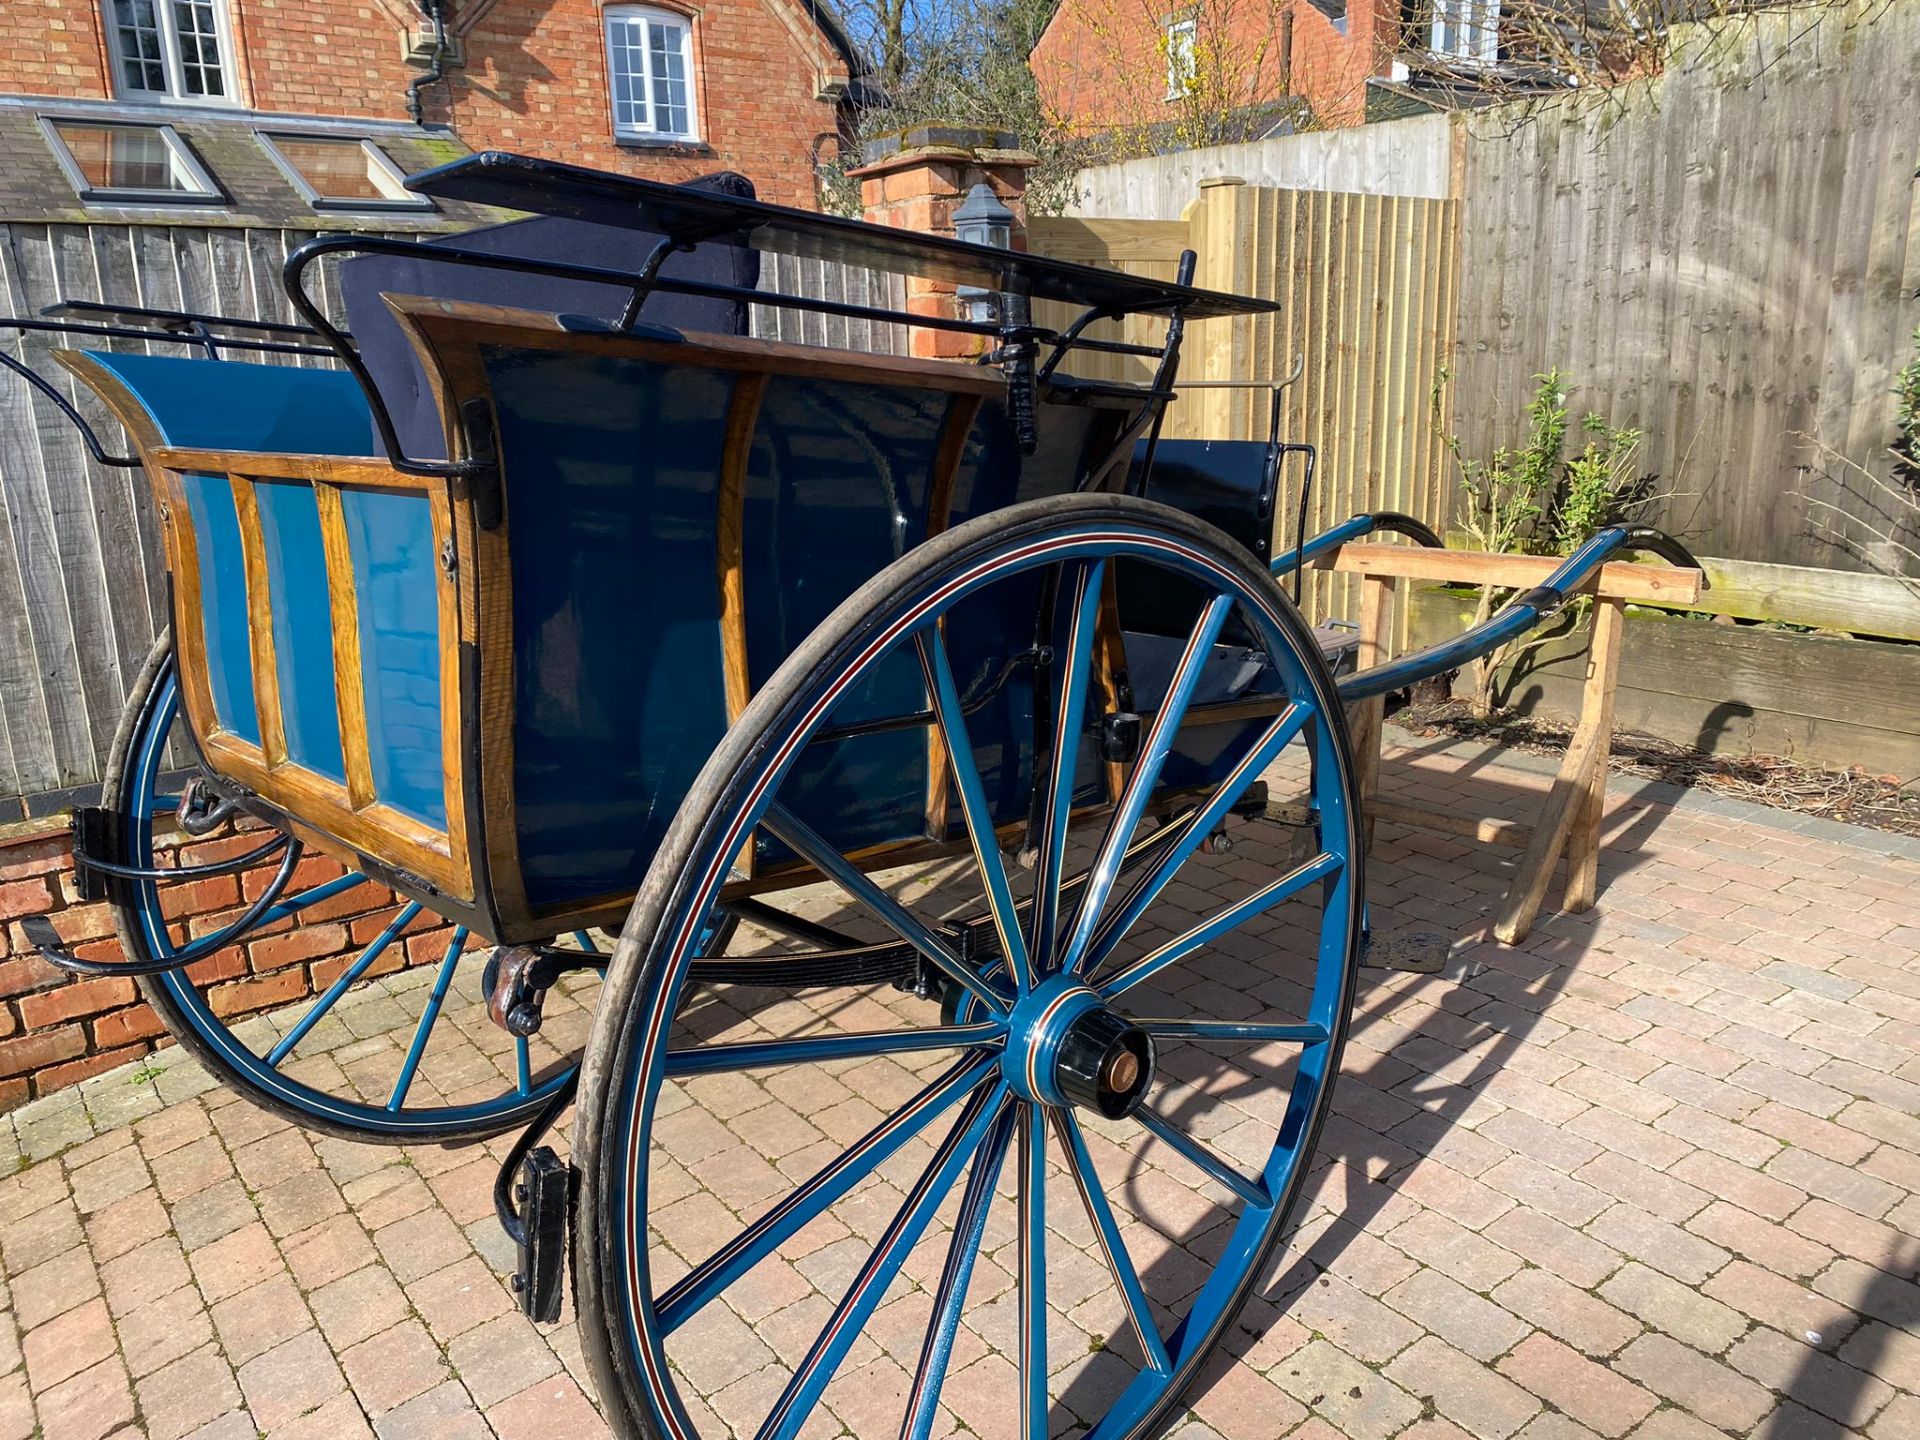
{"points": [[1321, 544], [1515, 620]]}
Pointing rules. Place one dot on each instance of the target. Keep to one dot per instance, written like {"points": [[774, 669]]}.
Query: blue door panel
{"points": [[395, 575], [302, 627], [223, 602]]}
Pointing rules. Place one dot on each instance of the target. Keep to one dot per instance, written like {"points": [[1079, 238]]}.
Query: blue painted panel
{"points": [[390, 534], [302, 626], [234, 405], [837, 490], [223, 597], [610, 468]]}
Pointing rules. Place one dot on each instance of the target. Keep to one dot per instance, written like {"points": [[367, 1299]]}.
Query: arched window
{"points": [[650, 72]]}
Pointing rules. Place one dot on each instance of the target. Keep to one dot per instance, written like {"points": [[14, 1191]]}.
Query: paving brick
{"points": [[1590, 1393], [1448, 1309], [294, 1377], [1821, 1383], [1464, 1390], [1359, 1402], [552, 1407], [92, 1404], [506, 1355], [1564, 1310], [1475, 1261], [1705, 1387], [444, 1413], [1779, 1248], [192, 1392], [1547, 1243], [162, 1330], [391, 1368], [1665, 1247]]}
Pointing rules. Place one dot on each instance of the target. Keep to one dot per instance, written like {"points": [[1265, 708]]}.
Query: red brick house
{"points": [[664, 89], [1162, 69]]}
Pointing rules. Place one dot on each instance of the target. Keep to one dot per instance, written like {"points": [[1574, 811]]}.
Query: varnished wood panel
{"points": [[349, 683]]}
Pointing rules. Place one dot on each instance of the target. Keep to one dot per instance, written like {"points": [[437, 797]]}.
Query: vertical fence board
{"points": [[1722, 256]]}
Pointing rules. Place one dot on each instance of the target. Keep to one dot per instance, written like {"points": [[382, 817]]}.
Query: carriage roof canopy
{"points": [[545, 187]]}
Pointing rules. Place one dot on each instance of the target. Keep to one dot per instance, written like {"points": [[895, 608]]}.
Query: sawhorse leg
{"points": [[1570, 820]]}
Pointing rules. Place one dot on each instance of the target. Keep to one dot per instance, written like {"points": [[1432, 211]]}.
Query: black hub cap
{"points": [[1104, 1064]]}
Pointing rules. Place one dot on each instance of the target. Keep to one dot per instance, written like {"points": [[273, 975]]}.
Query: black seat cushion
{"points": [[396, 369]]}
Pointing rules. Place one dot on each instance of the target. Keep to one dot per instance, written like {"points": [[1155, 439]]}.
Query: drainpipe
{"points": [[436, 11]]}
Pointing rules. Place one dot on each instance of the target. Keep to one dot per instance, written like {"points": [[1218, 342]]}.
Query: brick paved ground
{"points": [[1655, 1174]]}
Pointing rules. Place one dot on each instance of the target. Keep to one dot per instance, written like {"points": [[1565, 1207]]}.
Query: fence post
{"points": [[916, 180]]}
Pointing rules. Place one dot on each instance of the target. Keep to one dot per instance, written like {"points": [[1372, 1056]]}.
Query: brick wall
{"points": [[533, 77], [1101, 63], [56, 1030]]}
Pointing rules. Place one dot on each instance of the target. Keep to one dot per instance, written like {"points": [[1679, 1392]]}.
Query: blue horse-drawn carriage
{"points": [[559, 609]]}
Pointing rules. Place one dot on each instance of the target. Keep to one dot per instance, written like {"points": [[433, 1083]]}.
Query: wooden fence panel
{"points": [[1726, 257], [1366, 287]]}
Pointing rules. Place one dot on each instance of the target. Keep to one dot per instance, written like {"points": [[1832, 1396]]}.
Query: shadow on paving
{"points": [[1405, 1088]]}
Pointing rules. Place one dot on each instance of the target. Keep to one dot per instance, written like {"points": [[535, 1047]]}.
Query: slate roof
{"points": [[34, 189]]}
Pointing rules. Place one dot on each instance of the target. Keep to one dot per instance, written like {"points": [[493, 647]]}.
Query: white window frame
{"points": [[650, 16], [1467, 32], [176, 92], [206, 192], [1183, 38], [398, 197]]}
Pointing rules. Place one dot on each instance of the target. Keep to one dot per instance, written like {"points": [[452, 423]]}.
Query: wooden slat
{"points": [[730, 502], [349, 683], [1472, 567], [260, 636]]}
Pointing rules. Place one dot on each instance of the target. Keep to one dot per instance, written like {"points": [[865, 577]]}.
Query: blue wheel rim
{"points": [[261, 1073], [984, 1117]]}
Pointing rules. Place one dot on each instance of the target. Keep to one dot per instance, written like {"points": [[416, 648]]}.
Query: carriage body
{"points": [[492, 692]]}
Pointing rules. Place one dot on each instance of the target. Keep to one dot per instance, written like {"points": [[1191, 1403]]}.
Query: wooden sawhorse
{"points": [[1569, 820]]}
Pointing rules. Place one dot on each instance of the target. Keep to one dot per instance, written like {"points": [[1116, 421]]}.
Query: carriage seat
{"points": [[395, 367]]}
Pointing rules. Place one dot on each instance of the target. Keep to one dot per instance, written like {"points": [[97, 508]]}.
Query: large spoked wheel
{"points": [[788, 1221], [375, 1055]]}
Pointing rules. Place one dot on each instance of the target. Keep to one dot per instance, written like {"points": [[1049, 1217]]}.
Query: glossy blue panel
{"points": [[223, 597], [390, 534], [838, 489], [610, 468], [302, 626], [234, 405]]}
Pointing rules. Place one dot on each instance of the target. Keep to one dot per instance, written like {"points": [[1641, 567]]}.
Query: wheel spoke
{"points": [[1034, 1403], [791, 1411], [1075, 681], [1145, 777], [883, 907], [1254, 1192], [1087, 1180], [522, 1066], [857, 1045], [1229, 1030], [585, 942], [1217, 924], [346, 981], [711, 1276], [1199, 825], [973, 803], [969, 1227], [438, 997]]}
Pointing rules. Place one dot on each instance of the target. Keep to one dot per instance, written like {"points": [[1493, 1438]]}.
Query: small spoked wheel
{"points": [[1040, 1211], [367, 1050]]}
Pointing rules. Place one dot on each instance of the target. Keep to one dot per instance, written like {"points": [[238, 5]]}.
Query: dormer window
{"points": [[170, 50]]}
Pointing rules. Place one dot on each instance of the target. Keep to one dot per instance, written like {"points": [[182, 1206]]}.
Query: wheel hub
{"points": [[1066, 1047]]}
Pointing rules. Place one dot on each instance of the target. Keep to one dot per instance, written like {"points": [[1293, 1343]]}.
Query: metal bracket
{"points": [[545, 1193]]}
